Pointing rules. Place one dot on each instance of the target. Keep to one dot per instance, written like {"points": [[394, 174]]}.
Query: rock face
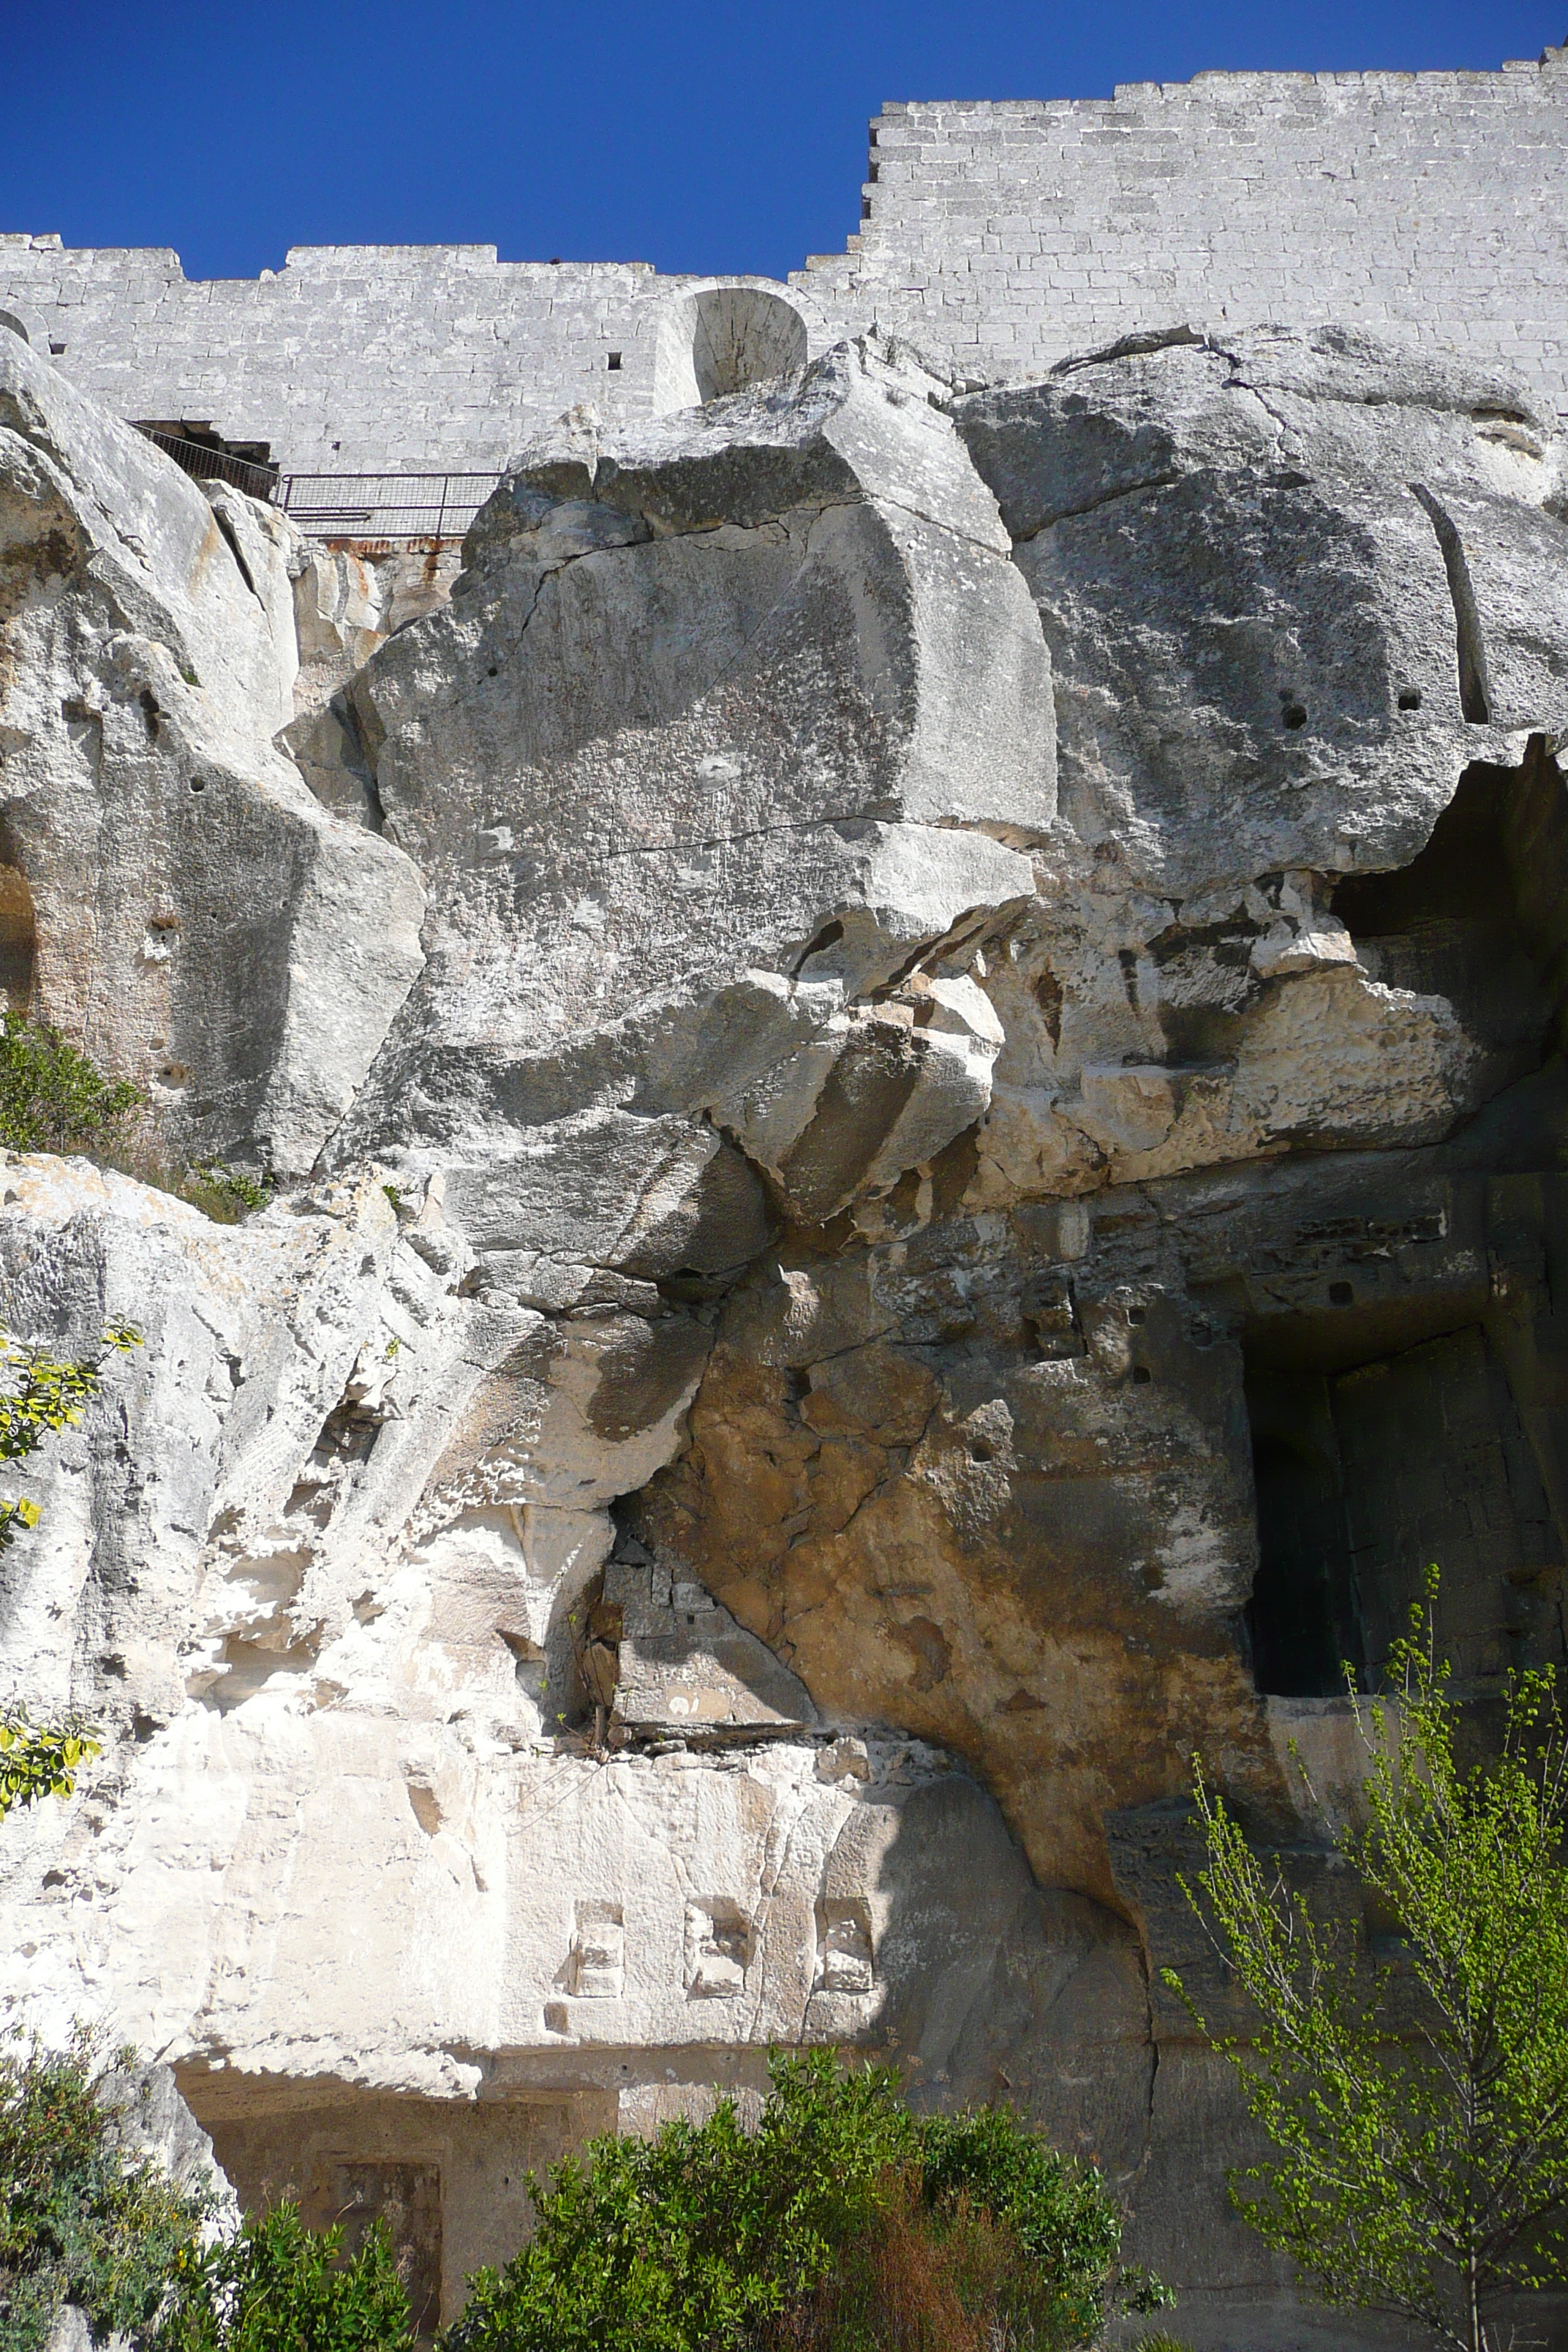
{"points": [[831, 1318], [172, 895]]}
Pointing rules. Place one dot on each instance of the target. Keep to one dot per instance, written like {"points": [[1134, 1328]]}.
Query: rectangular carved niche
{"points": [[718, 1949], [407, 2198], [598, 1968], [844, 1959]]}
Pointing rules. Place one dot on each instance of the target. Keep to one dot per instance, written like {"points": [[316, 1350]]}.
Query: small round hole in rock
{"points": [[1142, 1375], [1341, 1294], [1293, 714], [1136, 1314], [1410, 698], [198, 783]]}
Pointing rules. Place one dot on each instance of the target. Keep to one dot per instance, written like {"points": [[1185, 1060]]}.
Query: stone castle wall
{"points": [[1431, 207]]}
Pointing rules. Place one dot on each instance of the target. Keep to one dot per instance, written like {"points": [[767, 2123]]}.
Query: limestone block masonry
{"points": [[1429, 208]]}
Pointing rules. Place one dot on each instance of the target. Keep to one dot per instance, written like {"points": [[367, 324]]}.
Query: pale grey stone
{"points": [[182, 904]]}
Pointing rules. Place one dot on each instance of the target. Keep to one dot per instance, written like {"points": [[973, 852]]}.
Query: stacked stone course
{"points": [[1425, 208]]}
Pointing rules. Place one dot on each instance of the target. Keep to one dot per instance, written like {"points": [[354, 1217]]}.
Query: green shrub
{"points": [[280, 2287], [689, 2240], [840, 2225], [223, 1193], [995, 2240], [51, 1098], [81, 2221]]}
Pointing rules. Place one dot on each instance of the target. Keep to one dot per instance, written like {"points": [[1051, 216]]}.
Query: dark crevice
{"points": [[1474, 693], [232, 537]]}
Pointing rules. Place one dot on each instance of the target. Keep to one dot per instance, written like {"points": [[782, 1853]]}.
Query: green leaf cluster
{"points": [[81, 2221], [1066, 2229], [42, 1760], [707, 2236], [51, 1394], [224, 1193], [52, 1098], [282, 2287], [1417, 2110]]}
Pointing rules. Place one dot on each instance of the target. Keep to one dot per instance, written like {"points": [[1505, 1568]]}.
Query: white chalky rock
{"points": [[175, 897]]}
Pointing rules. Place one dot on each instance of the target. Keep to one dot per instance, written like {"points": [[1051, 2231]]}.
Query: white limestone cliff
{"points": [[715, 1503]]}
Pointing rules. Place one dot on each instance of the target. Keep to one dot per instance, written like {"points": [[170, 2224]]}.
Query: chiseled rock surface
{"points": [[177, 900], [847, 1316], [726, 728]]}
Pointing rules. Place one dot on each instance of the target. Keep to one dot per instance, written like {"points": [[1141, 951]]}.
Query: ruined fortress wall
{"points": [[351, 356], [1428, 207], [1432, 208]]}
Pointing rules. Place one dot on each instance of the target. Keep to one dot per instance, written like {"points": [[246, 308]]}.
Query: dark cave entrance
{"points": [[1304, 1616], [1386, 1434], [1367, 1468], [1465, 919]]}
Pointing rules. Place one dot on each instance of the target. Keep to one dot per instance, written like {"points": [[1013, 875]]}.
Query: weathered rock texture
{"points": [[172, 896], [965, 1181]]}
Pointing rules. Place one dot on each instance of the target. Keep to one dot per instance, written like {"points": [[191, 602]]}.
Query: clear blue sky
{"points": [[706, 135]]}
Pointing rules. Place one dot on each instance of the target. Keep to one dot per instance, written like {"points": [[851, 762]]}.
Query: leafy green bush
{"points": [[280, 2287], [995, 2240], [51, 1098], [1066, 2231], [838, 2223], [81, 2221], [687, 2241]]}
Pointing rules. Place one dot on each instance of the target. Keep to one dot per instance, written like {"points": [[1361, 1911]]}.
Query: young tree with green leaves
{"points": [[1419, 2168]]}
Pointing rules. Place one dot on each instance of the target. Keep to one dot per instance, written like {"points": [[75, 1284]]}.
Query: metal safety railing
{"points": [[210, 465], [420, 507]]}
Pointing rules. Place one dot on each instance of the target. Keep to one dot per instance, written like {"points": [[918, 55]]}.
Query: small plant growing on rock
{"points": [[225, 1193], [52, 1098], [41, 1760], [51, 1394]]}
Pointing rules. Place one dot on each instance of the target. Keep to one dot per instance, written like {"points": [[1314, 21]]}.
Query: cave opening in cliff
{"points": [[1304, 1615], [1476, 917], [1371, 1463], [1461, 919]]}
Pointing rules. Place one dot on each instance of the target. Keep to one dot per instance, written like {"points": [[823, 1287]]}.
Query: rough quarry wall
{"points": [[1432, 209], [912, 1054]]}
